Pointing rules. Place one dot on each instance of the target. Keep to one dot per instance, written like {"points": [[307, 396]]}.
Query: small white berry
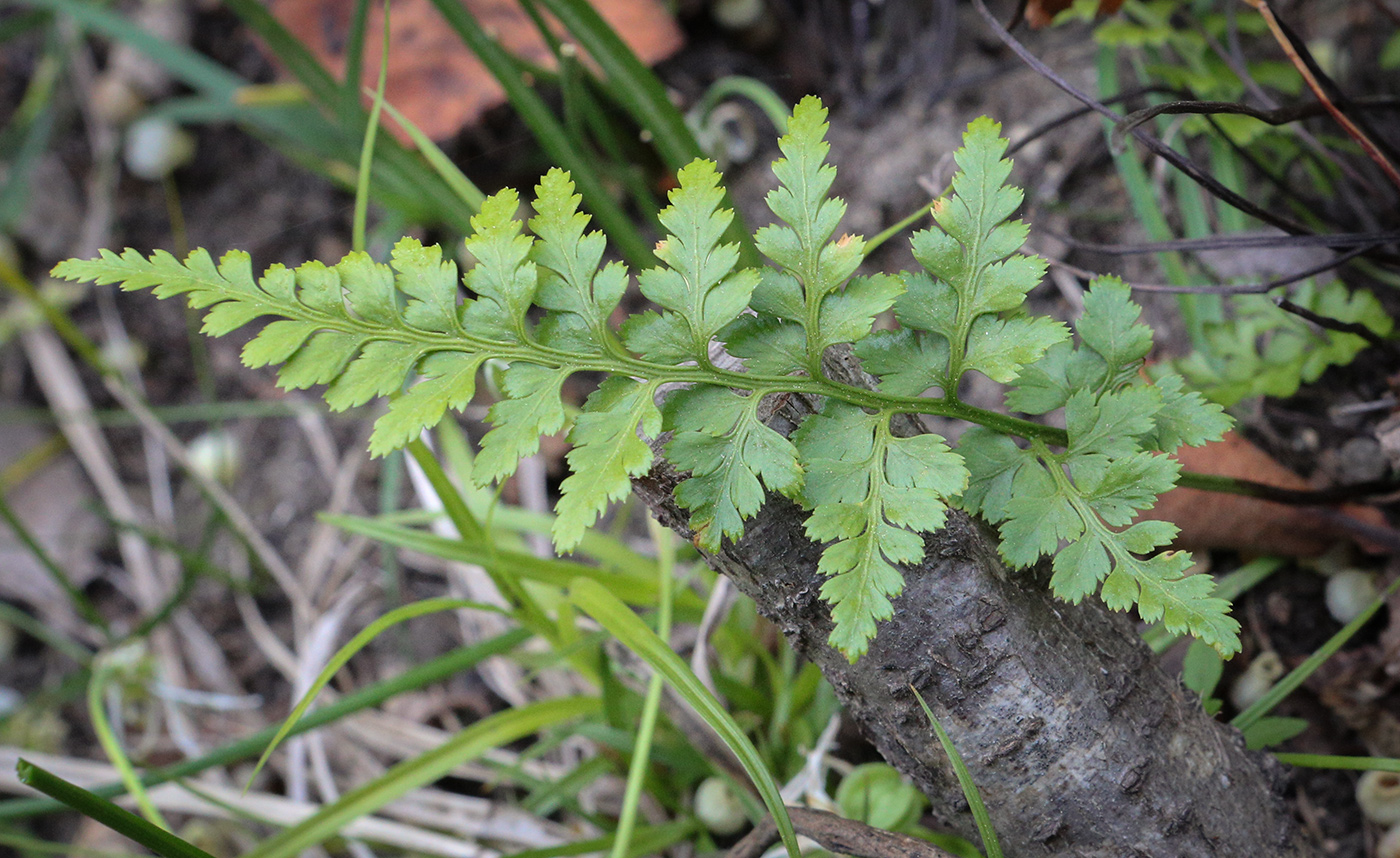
{"points": [[1348, 593], [155, 147], [1378, 793]]}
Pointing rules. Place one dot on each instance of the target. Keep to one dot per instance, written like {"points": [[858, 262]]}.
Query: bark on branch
{"points": [[1078, 742]]}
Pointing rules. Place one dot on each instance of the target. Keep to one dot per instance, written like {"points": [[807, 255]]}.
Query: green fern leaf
{"points": [[607, 454], [1106, 475], [846, 316], [406, 330], [1261, 349], [975, 276], [696, 287], [532, 409], [579, 294], [731, 456], [504, 279], [431, 286], [907, 362], [872, 493], [768, 346], [449, 382], [804, 178]]}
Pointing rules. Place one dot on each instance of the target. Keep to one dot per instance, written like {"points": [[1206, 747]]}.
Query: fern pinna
{"points": [[365, 329]]}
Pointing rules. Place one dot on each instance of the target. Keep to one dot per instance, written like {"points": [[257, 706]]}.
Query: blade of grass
{"points": [[1347, 764], [465, 189], [551, 135], [97, 713], [633, 590], [348, 651], [990, 846], [305, 135], [596, 600], [357, 229], [440, 668], [1299, 674], [101, 810], [355, 52], [629, 81], [607, 550], [651, 706], [34, 846], [500, 729], [468, 527], [80, 602], [45, 633], [641, 94]]}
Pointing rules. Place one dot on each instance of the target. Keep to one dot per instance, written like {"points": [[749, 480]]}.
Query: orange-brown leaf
{"points": [[1214, 520], [433, 79]]}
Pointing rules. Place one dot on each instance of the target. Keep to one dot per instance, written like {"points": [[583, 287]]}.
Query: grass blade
{"points": [[1348, 764], [1299, 674], [346, 652], [640, 92], [357, 229], [651, 706], [465, 189], [631, 589], [974, 799], [101, 810], [551, 135], [500, 729], [440, 668], [596, 600], [111, 746]]}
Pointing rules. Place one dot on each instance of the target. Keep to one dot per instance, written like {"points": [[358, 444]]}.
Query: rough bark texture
{"points": [[1079, 743]]}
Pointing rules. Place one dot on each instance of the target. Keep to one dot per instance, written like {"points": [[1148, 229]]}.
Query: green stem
{"points": [[97, 808]]}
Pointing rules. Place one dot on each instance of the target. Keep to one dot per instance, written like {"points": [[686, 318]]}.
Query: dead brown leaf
{"points": [[1214, 520], [433, 79]]}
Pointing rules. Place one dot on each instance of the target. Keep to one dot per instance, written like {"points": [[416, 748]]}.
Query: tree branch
{"points": [[1078, 743]]}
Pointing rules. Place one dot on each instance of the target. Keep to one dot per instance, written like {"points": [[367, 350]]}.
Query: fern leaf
{"points": [[731, 456], [504, 279], [579, 295], [431, 284], [873, 494], [449, 382], [531, 410], [976, 277], [1105, 476], [607, 454], [698, 285], [809, 215]]}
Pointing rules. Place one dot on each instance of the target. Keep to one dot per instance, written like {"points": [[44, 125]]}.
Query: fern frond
{"points": [[406, 330], [1088, 495], [873, 493]]}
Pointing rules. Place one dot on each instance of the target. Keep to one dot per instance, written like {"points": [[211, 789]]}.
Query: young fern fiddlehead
{"points": [[364, 329]]}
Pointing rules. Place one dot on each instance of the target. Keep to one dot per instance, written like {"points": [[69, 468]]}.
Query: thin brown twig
{"points": [[1158, 148], [1272, 116], [836, 834], [1216, 289], [1228, 242], [1352, 129]]}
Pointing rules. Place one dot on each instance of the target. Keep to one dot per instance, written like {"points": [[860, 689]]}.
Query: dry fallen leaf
{"points": [[1039, 13], [433, 79], [1214, 520]]}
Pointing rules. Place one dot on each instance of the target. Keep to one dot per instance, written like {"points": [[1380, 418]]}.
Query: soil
{"points": [[894, 122]]}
